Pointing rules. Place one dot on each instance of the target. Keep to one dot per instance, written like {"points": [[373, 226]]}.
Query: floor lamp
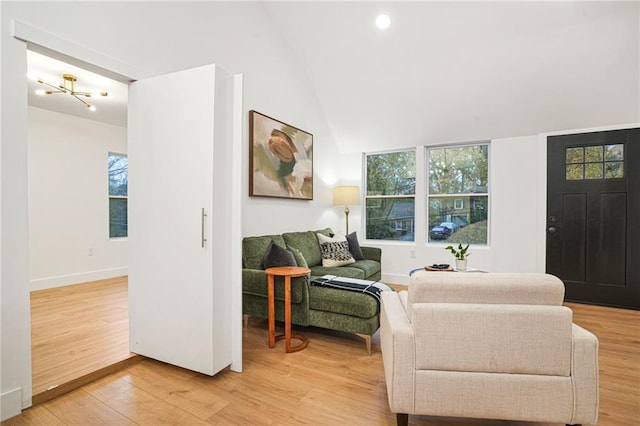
{"points": [[346, 196]]}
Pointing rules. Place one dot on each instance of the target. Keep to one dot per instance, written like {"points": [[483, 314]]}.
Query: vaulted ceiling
{"points": [[457, 71]]}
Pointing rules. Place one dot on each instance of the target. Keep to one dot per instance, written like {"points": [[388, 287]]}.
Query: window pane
{"points": [[458, 170], [613, 170], [593, 154], [593, 171], [118, 174], [390, 219], [574, 171], [447, 223], [614, 152], [391, 173], [574, 155], [117, 217]]}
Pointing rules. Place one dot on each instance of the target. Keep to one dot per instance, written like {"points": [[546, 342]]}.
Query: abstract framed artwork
{"points": [[280, 159]]}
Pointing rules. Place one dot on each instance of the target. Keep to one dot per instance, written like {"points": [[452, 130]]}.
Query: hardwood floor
{"points": [[331, 382], [77, 330]]}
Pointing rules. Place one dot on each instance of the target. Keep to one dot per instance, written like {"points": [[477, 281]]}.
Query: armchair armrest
{"points": [[398, 353], [584, 374], [372, 253]]}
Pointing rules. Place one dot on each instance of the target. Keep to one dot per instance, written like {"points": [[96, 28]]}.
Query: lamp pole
{"points": [[346, 218]]}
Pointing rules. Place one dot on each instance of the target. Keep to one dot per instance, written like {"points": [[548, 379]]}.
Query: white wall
{"points": [[68, 200], [238, 37]]}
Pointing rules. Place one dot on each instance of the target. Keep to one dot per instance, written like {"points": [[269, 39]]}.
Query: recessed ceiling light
{"points": [[383, 22]]}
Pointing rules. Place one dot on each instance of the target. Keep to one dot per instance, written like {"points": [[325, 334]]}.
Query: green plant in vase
{"points": [[461, 254]]}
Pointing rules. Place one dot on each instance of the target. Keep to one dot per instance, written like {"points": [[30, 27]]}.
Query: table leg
{"points": [[272, 312], [287, 313]]}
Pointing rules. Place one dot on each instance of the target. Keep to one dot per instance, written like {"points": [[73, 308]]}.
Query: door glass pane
{"points": [[574, 155], [575, 172], [614, 152], [593, 154], [613, 170], [593, 171]]}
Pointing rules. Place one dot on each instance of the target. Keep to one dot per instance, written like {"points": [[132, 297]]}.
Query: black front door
{"points": [[593, 216]]}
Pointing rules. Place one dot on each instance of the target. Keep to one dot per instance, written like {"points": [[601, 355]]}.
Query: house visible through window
{"points": [[118, 178], [458, 193], [390, 195]]}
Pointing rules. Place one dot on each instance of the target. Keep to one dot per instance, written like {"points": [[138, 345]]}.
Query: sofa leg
{"points": [[402, 419], [367, 341], [245, 321]]}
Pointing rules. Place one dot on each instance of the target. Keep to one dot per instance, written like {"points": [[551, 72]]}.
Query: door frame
{"points": [[541, 215], [47, 43]]}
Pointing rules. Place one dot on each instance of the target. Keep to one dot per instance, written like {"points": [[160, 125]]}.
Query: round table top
{"points": [[291, 271]]}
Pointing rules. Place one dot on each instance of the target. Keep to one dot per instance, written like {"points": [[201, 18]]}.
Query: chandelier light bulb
{"points": [[91, 107], [41, 92]]}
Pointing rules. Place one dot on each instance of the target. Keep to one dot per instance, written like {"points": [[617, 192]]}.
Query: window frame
{"points": [[428, 196], [388, 197], [116, 197]]}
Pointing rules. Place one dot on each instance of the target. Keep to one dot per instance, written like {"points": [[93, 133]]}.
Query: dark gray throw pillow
{"points": [[354, 246], [278, 256]]}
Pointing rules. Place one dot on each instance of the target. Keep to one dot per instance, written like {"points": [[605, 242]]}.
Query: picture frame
{"points": [[280, 159]]}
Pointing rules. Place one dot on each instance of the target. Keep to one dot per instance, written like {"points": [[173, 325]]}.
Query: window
{"points": [[118, 179], [390, 195], [595, 162], [458, 194]]}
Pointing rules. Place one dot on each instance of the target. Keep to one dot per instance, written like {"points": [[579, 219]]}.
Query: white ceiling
{"points": [[111, 109], [449, 71], [444, 71]]}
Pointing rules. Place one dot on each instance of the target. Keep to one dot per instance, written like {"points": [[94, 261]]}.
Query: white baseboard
{"points": [[10, 404], [395, 279], [82, 277]]}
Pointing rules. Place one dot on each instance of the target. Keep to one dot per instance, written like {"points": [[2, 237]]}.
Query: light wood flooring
{"points": [[77, 330], [332, 382]]}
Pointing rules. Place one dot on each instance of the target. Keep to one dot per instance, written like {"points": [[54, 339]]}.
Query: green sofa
{"points": [[310, 305]]}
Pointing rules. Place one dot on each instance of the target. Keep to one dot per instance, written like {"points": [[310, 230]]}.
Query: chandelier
{"points": [[68, 86]]}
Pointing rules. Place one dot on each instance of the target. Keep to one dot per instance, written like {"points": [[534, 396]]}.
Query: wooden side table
{"points": [[287, 272]]}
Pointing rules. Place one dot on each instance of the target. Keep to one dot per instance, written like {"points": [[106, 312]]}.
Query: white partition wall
{"points": [[180, 131]]}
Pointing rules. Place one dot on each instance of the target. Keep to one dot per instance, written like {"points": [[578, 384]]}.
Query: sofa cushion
{"points": [[307, 243], [341, 271], [335, 251], [369, 267], [254, 249], [278, 256], [342, 302]]}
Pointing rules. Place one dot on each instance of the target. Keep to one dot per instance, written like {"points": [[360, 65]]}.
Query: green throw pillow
{"points": [[297, 254]]}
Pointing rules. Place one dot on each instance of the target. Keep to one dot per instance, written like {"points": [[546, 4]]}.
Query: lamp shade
{"points": [[346, 196]]}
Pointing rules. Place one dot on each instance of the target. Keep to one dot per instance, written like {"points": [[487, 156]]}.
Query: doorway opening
{"points": [[78, 268]]}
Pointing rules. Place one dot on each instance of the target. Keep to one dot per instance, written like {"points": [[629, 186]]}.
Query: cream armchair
{"points": [[492, 346]]}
